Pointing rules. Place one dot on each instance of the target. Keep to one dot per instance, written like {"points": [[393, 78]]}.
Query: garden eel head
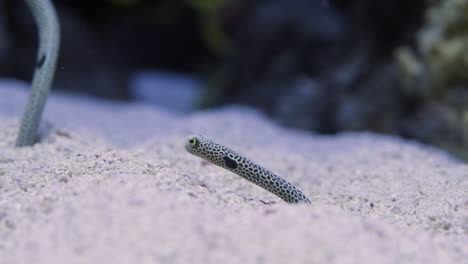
{"points": [[207, 149], [212, 152], [193, 145]]}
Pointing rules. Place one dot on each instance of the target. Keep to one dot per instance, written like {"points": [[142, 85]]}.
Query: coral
{"points": [[443, 50], [436, 74]]}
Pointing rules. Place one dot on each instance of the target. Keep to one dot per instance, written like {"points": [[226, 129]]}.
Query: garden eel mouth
{"points": [[244, 167]]}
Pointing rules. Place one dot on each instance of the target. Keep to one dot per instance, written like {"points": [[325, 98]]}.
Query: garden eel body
{"points": [[49, 41], [230, 160]]}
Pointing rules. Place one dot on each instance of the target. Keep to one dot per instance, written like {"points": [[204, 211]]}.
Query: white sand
{"points": [[112, 183]]}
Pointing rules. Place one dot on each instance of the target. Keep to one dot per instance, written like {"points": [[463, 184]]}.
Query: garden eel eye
{"points": [[192, 142]]}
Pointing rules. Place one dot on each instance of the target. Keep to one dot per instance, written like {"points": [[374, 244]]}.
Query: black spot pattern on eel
{"points": [[247, 169], [230, 163], [41, 61]]}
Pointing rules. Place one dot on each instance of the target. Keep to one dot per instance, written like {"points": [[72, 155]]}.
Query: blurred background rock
{"points": [[397, 67]]}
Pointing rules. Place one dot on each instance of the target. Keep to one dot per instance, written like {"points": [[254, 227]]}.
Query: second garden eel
{"points": [[247, 169]]}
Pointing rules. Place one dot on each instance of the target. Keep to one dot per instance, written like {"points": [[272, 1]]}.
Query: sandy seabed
{"points": [[112, 183]]}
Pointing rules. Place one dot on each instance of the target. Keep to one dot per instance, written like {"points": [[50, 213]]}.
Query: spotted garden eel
{"points": [[49, 42], [247, 169]]}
